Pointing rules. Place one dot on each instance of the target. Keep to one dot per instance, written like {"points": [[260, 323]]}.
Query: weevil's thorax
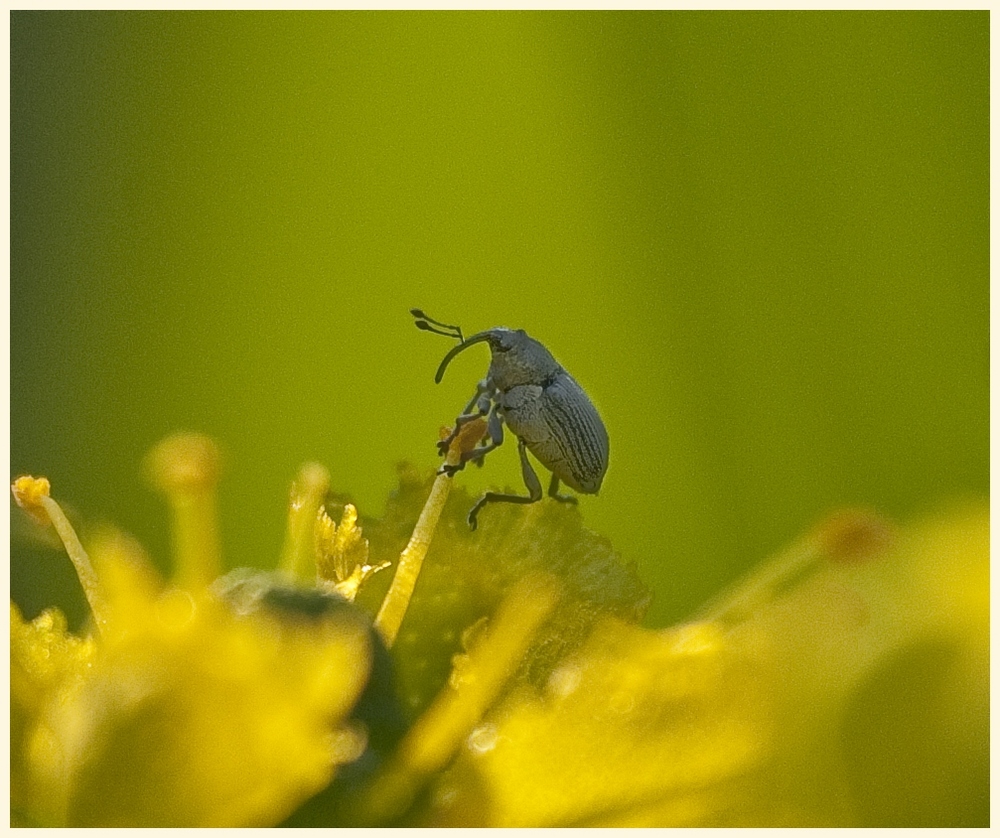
{"points": [[519, 359]]}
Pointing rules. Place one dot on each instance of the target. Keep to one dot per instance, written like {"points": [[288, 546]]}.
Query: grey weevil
{"points": [[541, 403]]}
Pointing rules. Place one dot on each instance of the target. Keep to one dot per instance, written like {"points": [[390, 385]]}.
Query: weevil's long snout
{"points": [[478, 338]]}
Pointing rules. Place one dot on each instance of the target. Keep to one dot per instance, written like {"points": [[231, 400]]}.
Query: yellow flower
{"points": [[843, 682], [801, 698], [183, 712]]}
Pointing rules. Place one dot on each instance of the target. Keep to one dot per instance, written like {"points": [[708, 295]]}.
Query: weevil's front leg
{"points": [[482, 401], [530, 481], [494, 426], [554, 492]]}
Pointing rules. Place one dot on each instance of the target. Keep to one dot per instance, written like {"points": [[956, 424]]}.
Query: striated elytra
{"points": [[549, 413]]}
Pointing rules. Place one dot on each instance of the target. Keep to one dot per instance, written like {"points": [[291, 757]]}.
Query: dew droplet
{"points": [[564, 681], [445, 796], [348, 743], [175, 609], [482, 739]]}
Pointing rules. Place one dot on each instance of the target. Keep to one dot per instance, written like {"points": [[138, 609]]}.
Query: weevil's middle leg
{"points": [[530, 481], [554, 492]]}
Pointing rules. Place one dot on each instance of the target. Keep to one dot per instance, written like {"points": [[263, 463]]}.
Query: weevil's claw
{"points": [[446, 436], [450, 470], [460, 445]]}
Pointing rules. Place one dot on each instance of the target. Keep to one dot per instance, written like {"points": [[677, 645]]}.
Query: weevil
{"points": [[549, 413]]}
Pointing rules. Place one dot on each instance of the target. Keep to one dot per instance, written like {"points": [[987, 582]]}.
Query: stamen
{"points": [[438, 734], [32, 495], [298, 557], [397, 600], [185, 467]]}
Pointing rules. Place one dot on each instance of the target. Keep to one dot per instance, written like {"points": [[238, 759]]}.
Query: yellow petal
{"points": [[196, 717]]}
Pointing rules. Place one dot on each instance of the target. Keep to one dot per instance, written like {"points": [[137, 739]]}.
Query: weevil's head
{"points": [[517, 358]]}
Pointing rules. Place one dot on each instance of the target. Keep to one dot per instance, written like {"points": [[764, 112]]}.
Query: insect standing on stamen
{"points": [[549, 413]]}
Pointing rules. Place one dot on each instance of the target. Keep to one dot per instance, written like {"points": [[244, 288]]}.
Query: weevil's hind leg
{"points": [[554, 492], [530, 480]]}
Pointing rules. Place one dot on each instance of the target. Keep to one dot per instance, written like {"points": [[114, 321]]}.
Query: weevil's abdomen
{"points": [[576, 449]]}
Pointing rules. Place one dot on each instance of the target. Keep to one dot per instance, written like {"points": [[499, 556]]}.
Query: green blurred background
{"points": [[759, 241]]}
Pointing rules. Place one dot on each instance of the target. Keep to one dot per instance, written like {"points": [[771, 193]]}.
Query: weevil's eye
{"points": [[504, 341]]}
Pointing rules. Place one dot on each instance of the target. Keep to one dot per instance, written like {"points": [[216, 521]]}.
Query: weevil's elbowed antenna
{"points": [[429, 324]]}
